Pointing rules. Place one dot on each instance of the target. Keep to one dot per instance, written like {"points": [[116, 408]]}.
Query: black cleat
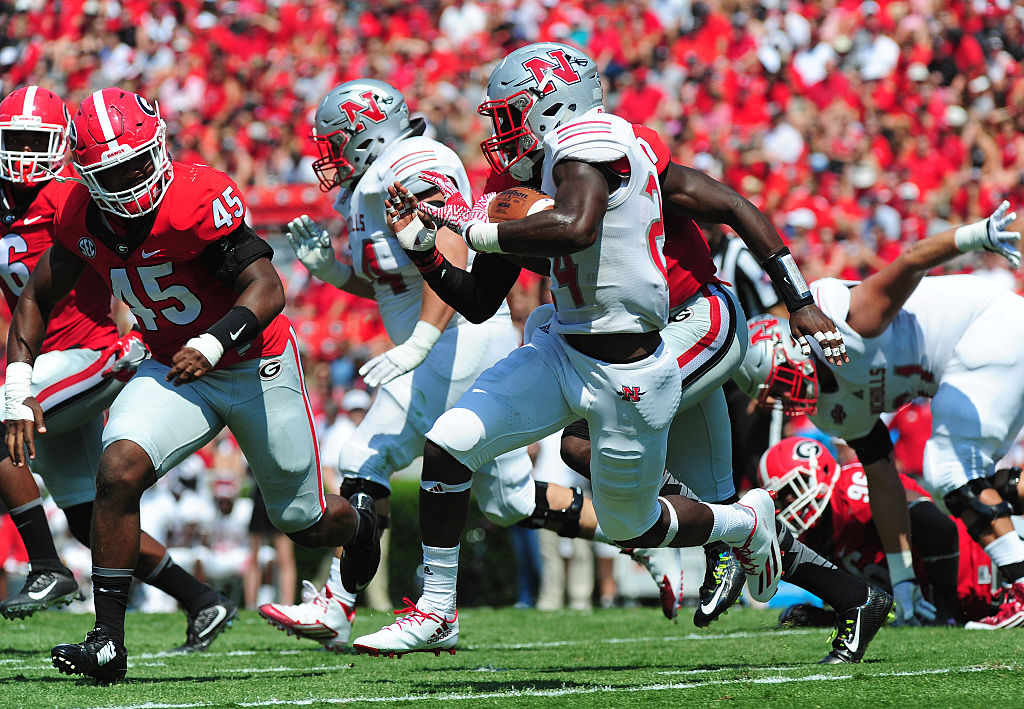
{"points": [[100, 656], [723, 584], [43, 589], [207, 623], [856, 627], [359, 560]]}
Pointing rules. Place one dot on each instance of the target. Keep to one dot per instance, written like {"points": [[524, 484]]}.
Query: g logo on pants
{"points": [[270, 370]]}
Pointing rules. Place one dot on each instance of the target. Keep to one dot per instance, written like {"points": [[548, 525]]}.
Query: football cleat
{"points": [[856, 627], [665, 567], [723, 584], [207, 623], [43, 589], [100, 656], [1009, 615], [759, 556], [415, 631], [320, 616], [359, 562]]}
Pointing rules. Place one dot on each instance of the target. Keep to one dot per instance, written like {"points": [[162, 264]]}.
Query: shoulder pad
{"points": [[408, 158], [595, 137], [204, 201]]}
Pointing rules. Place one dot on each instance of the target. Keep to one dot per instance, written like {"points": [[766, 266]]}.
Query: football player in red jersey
{"points": [[81, 367], [828, 507], [170, 240]]}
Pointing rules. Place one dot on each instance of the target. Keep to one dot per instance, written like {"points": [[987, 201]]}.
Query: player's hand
{"points": [[455, 214], [23, 422], [189, 364], [124, 356], [809, 320], [402, 358], [403, 219], [992, 235], [911, 608]]}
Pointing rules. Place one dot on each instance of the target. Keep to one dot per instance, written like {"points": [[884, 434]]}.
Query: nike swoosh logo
{"points": [[853, 646], [710, 605], [33, 220], [234, 335], [221, 612], [147, 254], [39, 595]]}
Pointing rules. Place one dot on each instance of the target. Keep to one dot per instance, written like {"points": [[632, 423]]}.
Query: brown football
{"points": [[517, 203]]}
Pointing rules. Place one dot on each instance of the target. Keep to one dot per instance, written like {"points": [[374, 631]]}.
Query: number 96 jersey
{"points": [[158, 267]]}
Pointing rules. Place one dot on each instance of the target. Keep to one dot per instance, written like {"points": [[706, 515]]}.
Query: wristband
{"points": [[208, 346], [18, 388], [785, 275], [236, 329], [483, 237], [901, 566], [971, 237]]}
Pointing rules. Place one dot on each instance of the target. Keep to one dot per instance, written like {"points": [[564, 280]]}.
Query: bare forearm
{"points": [[888, 503], [28, 330]]}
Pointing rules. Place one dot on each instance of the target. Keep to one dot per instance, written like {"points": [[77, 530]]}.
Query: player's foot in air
{"points": [[207, 623], [415, 631], [43, 589], [99, 656], [1009, 615], [361, 557], [760, 556], [665, 567], [320, 616], [723, 584], [856, 627]]}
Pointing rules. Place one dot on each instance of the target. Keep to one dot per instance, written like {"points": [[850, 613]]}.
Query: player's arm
{"points": [[54, 276], [241, 260], [875, 302], [312, 246], [692, 194]]}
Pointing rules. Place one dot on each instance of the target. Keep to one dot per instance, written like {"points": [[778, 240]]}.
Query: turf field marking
{"points": [[657, 638]]}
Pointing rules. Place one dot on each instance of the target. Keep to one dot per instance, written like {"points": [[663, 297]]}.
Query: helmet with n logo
{"points": [[531, 92], [354, 123], [33, 135], [774, 368], [802, 473]]}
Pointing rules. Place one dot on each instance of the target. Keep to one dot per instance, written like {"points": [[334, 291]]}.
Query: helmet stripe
{"points": [[104, 118], [30, 99]]}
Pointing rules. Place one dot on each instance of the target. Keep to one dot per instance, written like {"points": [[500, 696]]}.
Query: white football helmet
{"points": [[775, 368], [531, 92], [803, 474]]}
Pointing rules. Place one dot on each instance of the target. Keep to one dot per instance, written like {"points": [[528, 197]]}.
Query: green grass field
{"points": [[522, 658]]}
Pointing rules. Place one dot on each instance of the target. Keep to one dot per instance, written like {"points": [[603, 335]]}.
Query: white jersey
{"points": [[377, 256], [908, 360], [618, 283]]}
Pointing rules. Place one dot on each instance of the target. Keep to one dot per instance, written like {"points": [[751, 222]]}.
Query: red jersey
{"points": [[159, 273], [686, 251], [82, 319], [852, 543]]}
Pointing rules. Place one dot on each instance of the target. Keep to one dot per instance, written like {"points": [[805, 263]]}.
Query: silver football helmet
{"points": [[354, 123], [531, 92], [775, 368]]}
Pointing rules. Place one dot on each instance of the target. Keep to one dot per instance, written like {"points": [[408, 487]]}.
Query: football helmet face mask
{"points": [[774, 368], [803, 474], [531, 92], [354, 123], [119, 147], [33, 136]]}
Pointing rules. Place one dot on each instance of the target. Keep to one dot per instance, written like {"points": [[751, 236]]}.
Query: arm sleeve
{"points": [[476, 294]]}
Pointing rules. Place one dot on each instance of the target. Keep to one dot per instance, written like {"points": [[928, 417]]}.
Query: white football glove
{"points": [[401, 358], [911, 608], [992, 235], [312, 246]]}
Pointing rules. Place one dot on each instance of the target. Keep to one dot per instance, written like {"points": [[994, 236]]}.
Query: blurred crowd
{"points": [[857, 126]]}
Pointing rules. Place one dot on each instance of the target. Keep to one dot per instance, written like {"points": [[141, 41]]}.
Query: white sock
{"points": [[600, 536], [440, 575], [1005, 550], [337, 589], [733, 523]]}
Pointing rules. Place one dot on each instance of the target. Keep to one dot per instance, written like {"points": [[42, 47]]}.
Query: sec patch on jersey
{"points": [[517, 203]]}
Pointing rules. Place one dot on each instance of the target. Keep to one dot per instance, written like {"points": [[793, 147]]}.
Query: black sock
{"points": [[1012, 572], [35, 533], [110, 589], [190, 592], [804, 567]]}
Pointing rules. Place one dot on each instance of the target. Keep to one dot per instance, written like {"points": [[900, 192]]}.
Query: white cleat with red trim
{"points": [[1009, 615], [320, 616], [415, 631], [666, 568], [760, 555]]}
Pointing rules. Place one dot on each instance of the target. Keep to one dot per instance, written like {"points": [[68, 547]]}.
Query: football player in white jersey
{"points": [[368, 142], [601, 357], [958, 340]]}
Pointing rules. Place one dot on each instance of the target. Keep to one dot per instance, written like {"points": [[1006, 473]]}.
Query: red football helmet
{"points": [[775, 368], [33, 135], [118, 145], [803, 473]]}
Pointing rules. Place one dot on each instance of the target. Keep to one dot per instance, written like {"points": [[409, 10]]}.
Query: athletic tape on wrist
{"points": [[483, 237], [208, 346]]}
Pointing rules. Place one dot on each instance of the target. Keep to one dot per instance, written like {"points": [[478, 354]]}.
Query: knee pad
{"points": [[1005, 482], [569, 516], [79, 519], [966, 498], [351, 485]]}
